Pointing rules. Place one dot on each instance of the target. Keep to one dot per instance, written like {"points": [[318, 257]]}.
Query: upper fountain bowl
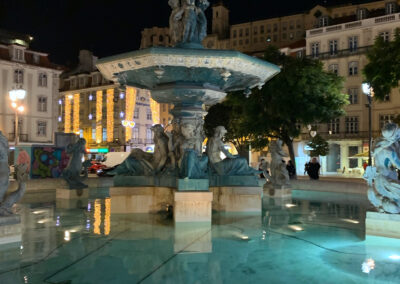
{"points": [[167, 68]]}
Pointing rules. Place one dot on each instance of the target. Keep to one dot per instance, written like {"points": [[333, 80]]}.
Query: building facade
{"points": [[109, 117], [32, 71], [342, 48]]}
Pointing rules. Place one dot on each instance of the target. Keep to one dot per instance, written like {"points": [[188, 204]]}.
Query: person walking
{"points": [[291, 169], [313, 169]]}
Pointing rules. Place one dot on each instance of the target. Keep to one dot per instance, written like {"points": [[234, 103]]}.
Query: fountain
{"points": [[192, 78]]}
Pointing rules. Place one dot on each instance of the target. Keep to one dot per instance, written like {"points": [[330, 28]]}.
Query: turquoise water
{"points": [[310, 238]]}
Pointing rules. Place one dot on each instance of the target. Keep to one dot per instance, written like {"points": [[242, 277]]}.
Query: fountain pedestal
{"points": [[382, 224], [192, 206], [10, 229]]}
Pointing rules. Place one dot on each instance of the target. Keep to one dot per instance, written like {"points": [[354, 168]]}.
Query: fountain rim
{"points": [[188, 52]]}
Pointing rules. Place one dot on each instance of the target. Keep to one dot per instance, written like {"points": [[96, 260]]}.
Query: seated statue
{"points": [[192, 164], [72, 173], [140, 163], [231, 165]]}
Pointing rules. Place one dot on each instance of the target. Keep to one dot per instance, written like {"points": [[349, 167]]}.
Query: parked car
{"points": [[111, 161], [96, 165]]}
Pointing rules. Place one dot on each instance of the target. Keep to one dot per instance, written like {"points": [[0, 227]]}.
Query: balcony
{"points": [[148, 141], [342, 53], [22, 137], [353, 25], [342, 135]]}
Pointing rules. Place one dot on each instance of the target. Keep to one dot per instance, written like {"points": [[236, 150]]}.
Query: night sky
{"points": [[107, 27]]}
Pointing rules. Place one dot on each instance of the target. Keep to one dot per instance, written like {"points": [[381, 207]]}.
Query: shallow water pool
{"points": [[313, 237]]}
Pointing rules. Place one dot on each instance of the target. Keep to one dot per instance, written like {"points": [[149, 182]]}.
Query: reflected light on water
{"points": [[368, 265], [351, 221], [296, 228], [97, 217], [107, 215], [395, 257], [67, 236], [289, 205]]}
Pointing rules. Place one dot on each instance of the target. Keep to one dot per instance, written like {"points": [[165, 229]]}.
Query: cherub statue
{"points": [[202, 5], [231, 165], [279, 173], [384, 192], [72, 173], [175, 21], [189, 21]]}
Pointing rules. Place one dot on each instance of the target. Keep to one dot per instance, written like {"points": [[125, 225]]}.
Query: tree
{"points": [[383, 69], [303, 93], [319, 146]]}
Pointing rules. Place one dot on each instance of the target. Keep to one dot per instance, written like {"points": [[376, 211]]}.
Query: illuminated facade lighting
{"points": [[110, 115], [97, 217], [76, 113], [99, 113], [130, 104], [155, 111], [67, 116]]}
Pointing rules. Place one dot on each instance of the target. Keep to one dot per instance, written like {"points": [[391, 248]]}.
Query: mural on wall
{"points": [[48, 162], [24, 158]]}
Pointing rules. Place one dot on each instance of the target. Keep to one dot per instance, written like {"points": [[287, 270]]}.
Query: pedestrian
{"points": [[313, 169], [291, 169]]}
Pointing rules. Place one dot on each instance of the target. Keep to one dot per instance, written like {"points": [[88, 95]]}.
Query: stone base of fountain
{"points": [[237, 199], [382, 224], [276, 191], [192, 206], [63, 193], [246, 181], [185, 233], [10, 230]]}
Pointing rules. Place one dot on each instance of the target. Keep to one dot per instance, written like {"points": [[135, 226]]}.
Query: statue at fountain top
{"points": [[230, 166], [188, 23], [384, 191]]}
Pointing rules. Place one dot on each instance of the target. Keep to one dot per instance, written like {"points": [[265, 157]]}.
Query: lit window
{"points": [[42, 80], [42, 104], [41, 128]]}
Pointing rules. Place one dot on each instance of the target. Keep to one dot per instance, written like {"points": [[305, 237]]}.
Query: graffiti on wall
{"points": [[48, 162]]}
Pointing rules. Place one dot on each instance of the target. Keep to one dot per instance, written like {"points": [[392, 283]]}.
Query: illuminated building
{"points": [[32, 71], [95, 108]]}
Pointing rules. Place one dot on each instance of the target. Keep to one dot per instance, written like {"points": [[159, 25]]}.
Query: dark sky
{"points": [[107, 27]]}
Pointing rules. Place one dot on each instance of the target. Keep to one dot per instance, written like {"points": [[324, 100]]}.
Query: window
{"points": [[353, 96], [148, 114], [353, 68], [275, 28], [255, 30], [323, 21], [136, 113], [93, 133], [291, 25], [299, 54], [298, 24], [42, 80], [81, 82], [73, 83], [262, 29], [333, 126], [135, 133], [353, 162], [19, 76], [315, 49], [149, 134], [353, 43], [291, 35], [240, 33], [333, 47], [41, 128], [284, 26], [385, 119], [247, 31], [386, 98], [95, 80], [385, 36], [361, 14], [284, 36], [18, 54], [36, 58], [42, 104], [334, 68], [234, 34], [104, 134], [351, 124], [391, 8]]}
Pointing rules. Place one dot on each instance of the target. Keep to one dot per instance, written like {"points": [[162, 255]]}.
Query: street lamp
{"points": [[369, 92], [17, 95]]}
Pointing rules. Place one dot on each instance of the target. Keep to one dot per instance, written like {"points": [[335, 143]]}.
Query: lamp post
{"points": [[369, 92], [16, 96]]}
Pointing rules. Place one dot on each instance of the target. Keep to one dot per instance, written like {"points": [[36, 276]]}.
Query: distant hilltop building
{"points": [[21, 67]]}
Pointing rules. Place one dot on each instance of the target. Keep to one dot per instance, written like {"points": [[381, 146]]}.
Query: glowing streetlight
{"points": [[17, 95]]}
